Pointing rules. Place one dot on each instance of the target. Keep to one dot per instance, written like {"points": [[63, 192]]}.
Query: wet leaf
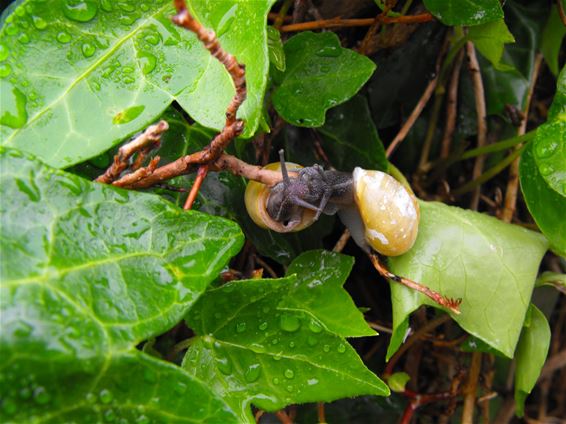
{"points": [[88, 271], [490, 265], [489, 39], [252, 348], [351, 137], [320, 74], [108, 70], [545, 204], [275, 46], [549, 151], [465, 12], [531, 354], [318, 289]]}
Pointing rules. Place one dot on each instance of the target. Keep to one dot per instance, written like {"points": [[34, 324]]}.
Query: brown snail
{"points": [[380, 212]]}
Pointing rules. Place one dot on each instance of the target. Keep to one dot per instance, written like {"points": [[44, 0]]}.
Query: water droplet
{"points": [[23, 38], [106, 5], [227, 20], [289, 373], [128, 115], [289, 323], [277, 357], [265, 309], [81, 10], [88, 49], [153, 38], [3, 51], [109, 415], [105, 396], [329, 51], [128, 80], [341, 348], [289, 388], [180, 388], [252, 373], [147, 62], [240, 327], [326, 348], [11, 29], [90, 398], [545, 170], [224, 365], [545, 148], [127, 7], [144, 7], [275, 381], [263, 326], [39, 22], [9, 406], [314, 326], [41, 396], [63, 37], [5, 70], [291, 345], [312, 381], [14, 114]]}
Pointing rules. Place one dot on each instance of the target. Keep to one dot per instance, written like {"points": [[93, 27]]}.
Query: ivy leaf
{"points": [[491, 265], [108, 70], [552, 37], [318, 289], [489, 39], [275, 46], [308, 88], [465, 12], [251, 350], [351, 137], [88, 271], [550, 154], [545, 204], [531, 354]]}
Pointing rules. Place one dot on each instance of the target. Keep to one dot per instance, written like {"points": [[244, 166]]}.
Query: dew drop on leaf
{"points": [[240, 327], [263, 326], [224, 365], [147, 62], [545, 170], [227, 20], [275, 381], [128, 115], [3, 52], [88, 49], [289, 323], [341, 348], [315, 327], [13, 113], [80, 11], [90, 398], [63, 37], [326, 348], [106, 5], [153, 38], [180, 388], [252, 373], [105, 396], [289, 373], [290, 388], [41, 396], [39, 22], [5, 70], [24, 38], [11, 29], [329, 51], [291, 344]]}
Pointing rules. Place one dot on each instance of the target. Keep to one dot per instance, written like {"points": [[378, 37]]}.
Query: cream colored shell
{"points": [[256, 197], [390, 212]]}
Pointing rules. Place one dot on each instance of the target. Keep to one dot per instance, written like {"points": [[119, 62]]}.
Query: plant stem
{"points": [[343, 23]]}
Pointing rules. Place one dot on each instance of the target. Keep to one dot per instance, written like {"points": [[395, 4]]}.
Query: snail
{"points": [[380, 212]]}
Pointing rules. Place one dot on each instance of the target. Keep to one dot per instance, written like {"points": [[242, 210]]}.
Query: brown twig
{"points": [[451, 106], [321, 413], [341, 243], [452, 304], [283, 417], [561, 11], [481, 113], [146, 140], [201, 175], [343, 23], [282, 14], [471, 389], [513, 183]]}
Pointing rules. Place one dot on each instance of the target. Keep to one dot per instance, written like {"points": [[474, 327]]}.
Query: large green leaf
{"points": [[107, 70], [490, 265], [549, 148], [351, 137], [319, 74], [531, 354], [545, 204], [254, 348], [552, 38], [465, 12], [88, 271]]}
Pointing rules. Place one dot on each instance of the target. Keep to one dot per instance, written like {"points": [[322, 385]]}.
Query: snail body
{"points": [[380, 212]]}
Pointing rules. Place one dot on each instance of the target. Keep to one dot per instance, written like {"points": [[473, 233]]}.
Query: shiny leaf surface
{"points": [[88, 271], [254, 348], [531, 354], [320, 74], [545, 204], [492, 266], [465, 12], [107, 70]]}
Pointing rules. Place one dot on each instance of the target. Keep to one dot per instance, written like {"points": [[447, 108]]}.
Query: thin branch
{"points": [[513, 183], [343, 23], [471, 388], [451, 106], [561, 11], [201, 175], [481, 113]]}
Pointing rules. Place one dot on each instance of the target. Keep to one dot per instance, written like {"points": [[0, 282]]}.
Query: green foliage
{"points": [[489, 39], [117, 67], [260, 342], [303, 94], [552, 38], [89, 271], [465, 12], [531, 354], [490, 265]]}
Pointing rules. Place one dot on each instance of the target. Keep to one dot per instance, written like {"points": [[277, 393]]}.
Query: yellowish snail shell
{"points": [[256, 197], [389, 212]]}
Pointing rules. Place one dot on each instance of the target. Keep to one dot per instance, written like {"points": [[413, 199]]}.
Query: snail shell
{"points": [[256, 197], [389, 212]]}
